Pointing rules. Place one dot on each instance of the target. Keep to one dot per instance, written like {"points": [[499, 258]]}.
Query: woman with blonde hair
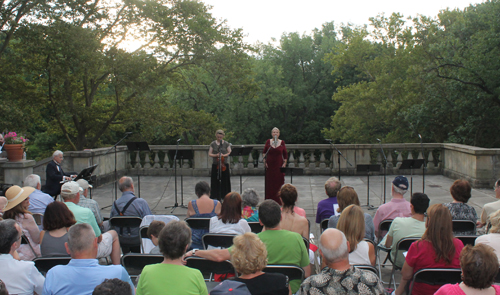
{"points": [[249, 257], [437, 248], [352, 224], [492, 239], [275, 156]]}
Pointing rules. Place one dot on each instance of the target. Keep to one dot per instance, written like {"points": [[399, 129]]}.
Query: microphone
{"points": [[275, 138], [179, 139], [328, 140]]}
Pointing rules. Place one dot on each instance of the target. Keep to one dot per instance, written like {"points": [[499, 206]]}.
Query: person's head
{"points": [[399, 186], [82, 241], [70, 192], [230, 211], [288, 195], [219, 134], [250, 197], [3, 288], [202, 188], [84, 185], [420, 203], [496, 188], [18, 201], [345, 197], [249, 254], [10, 236], [275, 132], [332, 186], [270, 213], [2, 140], [479, 266], [154, 230], [495, 222], [126, 184], [174, 239], [33, 181], [461, 190], [112, 287], [58, 156], [439, 232], [3, 203], [333, 246], [352, 224], [56, 216]]}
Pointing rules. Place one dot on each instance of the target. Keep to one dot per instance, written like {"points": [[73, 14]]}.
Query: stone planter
{"points": [[14, 151]]}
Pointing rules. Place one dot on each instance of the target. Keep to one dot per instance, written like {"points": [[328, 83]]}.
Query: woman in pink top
{"points": [[479, 266]]}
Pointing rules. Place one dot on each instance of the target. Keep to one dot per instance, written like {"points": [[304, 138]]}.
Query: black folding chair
{"points": [[208, 267], [217, 240], [324, 224], [119, 223], [293, 272], [368, 268], [44, 264], [38, 218], [143, 234], [464, 227], [436, 276], [256, 227], [198, 222], [384, 226], [467, 240], [135, 262], [402, 246]]}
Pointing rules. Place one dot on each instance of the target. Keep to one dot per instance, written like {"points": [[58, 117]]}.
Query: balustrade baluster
{"points": [[291, 159], [157, 159], [137, 160], [147, 161], [322, 164], [302, 161]]}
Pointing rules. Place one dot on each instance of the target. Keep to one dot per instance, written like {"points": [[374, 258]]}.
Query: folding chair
{"points": [[293, 272], [198, 222], [324, 224], [44, 264], [464, 227], [384, 226], [467, 240], [256, 227], [143, 234], [368, 268], [402, 246], [208, 267], [24, 241], [38, 218], [436, 276], [134, 263], [131, 223], [217, 240]]}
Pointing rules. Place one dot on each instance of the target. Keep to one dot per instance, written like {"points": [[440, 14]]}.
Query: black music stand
{"points": [[241, 151], [87, 175], [368, 169], [411, 164], [138, 146], [179, 155], [296, 171]]}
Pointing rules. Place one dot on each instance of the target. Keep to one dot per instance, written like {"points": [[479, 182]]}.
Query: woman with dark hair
{"points": [[290, 219], [461, 192], [479, 266], [56, 222], [229, 220], [437, 248], [220, 178]]}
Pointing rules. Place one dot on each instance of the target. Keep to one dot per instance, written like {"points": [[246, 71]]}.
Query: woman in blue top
{"points": [[202, 207]]}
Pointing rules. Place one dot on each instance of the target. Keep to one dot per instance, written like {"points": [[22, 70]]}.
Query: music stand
{"points": [[411, 164], [179, 155], [368, 169], [241, 151], [297, 171], [138, 146], [87, 175]]}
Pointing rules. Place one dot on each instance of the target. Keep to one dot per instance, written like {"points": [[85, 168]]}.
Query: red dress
{"points": [[274, 178]]}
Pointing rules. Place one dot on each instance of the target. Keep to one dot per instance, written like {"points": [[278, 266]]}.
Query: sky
{"points": [[262, 20]]}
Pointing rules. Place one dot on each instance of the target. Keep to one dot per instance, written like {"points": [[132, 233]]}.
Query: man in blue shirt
{"points": [[83, 273], [38, 199]]}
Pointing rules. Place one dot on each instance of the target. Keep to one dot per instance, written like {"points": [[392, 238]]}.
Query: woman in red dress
{"points": [[275, 157]]}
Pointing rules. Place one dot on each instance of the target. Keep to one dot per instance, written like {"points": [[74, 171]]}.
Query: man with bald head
{"points": [[338, 276]]}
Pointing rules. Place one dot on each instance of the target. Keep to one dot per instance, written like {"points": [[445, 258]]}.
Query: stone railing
{"points": [[478, 165]]}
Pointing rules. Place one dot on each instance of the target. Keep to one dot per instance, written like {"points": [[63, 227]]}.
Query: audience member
{"points": [[404, 227], [348, 196], [55, 174], [3, 204], [89, 203], [154, 229], [171, 274], [58, 219], [328, 206], [461, 192], [397, 207], [492, 239], [479, 266], [203, 207], [436, 249], [352, 224], [20, 277], [3, 288], [249, 257], [83, 273], [108, 243], [112, 287], [38, 199], [283, 246], [492, 207], [17, 209], [250, 200], [229, 220], [290, 219], [339, 277]]}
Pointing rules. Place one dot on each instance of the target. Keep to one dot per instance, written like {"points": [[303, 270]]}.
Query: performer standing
{"points": [[55, 174], [275, 157], [220, 180]]}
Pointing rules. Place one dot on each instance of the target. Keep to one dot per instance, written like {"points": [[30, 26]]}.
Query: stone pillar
{"points": [[16, 172]]}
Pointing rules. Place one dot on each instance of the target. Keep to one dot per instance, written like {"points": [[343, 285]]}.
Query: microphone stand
{"points": [[425, 164], [114, 147], [385, 167], [219, 171], [265, 171], [340, 154]]}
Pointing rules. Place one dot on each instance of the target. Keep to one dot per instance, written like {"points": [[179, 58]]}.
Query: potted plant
{"points": [[14, 146]]}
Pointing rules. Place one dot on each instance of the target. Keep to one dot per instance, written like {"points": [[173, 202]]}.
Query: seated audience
{"points": [[3, 288], [172, 274], [249, 257], [290, 219], [229, 220], [203, 207], [492, 239], [348, 196], [339, 277], [492, 207], [352, 224], [89, 203], [479, 266], [112, 287], [3, 204], [38, 199], [328, 207], [250, 200], [461, 192], [83, 273], [437, 248], [17, 209], [57, 221], [20, 277], [154, 229]]}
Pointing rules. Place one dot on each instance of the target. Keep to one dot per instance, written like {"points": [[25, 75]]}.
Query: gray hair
{"points": [[125, 183], [399, 190], [250, 197], [67, 196], [80, 237], [8, 235], [332, 186], [32, 180], [334, 255], [56, 153], [174, 238]]}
